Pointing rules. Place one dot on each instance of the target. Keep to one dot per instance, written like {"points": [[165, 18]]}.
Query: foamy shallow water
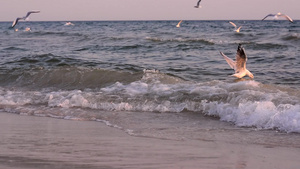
{"points": [[243, 103]]}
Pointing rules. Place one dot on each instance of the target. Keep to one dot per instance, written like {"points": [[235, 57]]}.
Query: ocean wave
{"points": [[244, 103], [83, 67], [15, 48], [291, 37], [129, 47], [259, 114], [64, 77], [56, 33], [44, 60], [269, 46], [186, 40]]}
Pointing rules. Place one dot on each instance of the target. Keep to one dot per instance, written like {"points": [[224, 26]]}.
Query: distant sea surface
{"points": [[150, 78]]}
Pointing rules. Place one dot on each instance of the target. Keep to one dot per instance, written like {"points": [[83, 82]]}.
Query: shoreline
{"points": [[30, 142]]}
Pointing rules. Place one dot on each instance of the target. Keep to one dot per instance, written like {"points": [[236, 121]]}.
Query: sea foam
{"points": [[244, 103]]}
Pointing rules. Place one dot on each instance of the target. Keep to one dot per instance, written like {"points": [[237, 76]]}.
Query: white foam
{"points": [[263, 115], [15, 98], [109, 124], [67, 99], [245, 103], [286, 119], [136, 88]]}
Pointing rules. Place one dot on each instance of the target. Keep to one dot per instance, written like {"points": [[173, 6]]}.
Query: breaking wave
{"points": [[244, 103]]}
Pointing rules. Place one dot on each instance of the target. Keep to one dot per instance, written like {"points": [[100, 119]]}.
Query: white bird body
{"points": [[69, 23], [240, 64]]}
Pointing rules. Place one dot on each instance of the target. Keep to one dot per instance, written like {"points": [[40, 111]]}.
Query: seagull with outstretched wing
{"points": [[198, 4], [240, 64], [23, 18], [279, 15], [237, 29]]}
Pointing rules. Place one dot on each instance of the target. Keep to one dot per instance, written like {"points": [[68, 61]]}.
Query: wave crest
{"points": [[186, 40], [65, 77]]}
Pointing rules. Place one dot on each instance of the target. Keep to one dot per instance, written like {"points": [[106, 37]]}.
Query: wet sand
{"points": [[30, 142]]}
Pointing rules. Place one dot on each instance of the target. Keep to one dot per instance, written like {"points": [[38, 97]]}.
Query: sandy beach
{"points": [[30, 142]]}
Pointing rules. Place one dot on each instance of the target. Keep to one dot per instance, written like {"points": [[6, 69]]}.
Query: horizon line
{"points": [[151, 20]]}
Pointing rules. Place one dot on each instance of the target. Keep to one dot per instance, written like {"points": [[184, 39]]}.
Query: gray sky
{"points": [[74, 10]]}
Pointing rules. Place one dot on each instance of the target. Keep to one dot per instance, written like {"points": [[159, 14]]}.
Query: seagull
{"points": [[27, 29], [240, 64], [23, 18], [279, 14], [198, 4], [69, 23], [178, 25], [236, 29]]}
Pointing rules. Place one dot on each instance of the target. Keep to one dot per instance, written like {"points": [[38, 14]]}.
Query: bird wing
{"points": [[198, 3], [233, 24], [238, 29], [30, 12], [268, 16], [287, 17], [178, 25], [241, 58], [15, 22], [231, 63]]}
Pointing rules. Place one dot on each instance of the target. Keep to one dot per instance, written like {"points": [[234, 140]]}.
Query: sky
{"points": [[82, 10]]}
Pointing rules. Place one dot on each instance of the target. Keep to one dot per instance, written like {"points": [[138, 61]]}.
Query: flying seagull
{"points": [[240, 64], [69, 23], [236, 29], [23, 18], [178, 25], [198, 4], [277, 15]]}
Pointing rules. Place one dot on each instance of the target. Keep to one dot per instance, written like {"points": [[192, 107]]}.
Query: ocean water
{"points": [[150, 78]]}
